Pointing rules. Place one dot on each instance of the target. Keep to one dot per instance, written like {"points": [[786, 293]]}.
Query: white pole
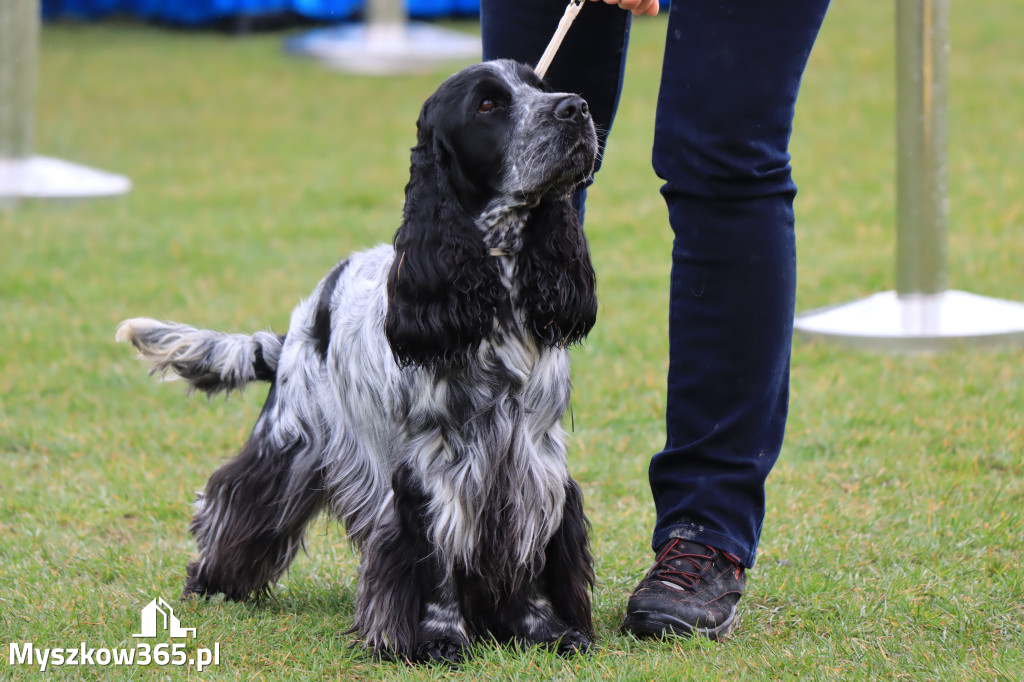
{"points": [[385, 13], [922, 205], [386, 44], [19, 35], [23, 175], [922, 314]]}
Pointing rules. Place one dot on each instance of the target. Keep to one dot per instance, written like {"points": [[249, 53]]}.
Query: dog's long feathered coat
{"points": [[419, 392]]}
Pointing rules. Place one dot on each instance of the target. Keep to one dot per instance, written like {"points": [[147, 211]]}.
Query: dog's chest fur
{"points": [[487, 445]]}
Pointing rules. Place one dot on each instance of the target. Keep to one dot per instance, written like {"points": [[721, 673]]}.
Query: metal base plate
{"points": [[917, 323], [42, 177], [386, 49]]}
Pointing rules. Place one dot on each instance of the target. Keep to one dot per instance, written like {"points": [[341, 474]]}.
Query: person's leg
{"points": [[590, 62], [725, 110]]}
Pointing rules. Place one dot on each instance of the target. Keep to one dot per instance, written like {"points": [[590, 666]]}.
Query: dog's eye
{"points": [[486, 104]]}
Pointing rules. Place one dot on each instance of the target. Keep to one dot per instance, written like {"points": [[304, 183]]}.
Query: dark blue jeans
{"points": [[729, 83]]}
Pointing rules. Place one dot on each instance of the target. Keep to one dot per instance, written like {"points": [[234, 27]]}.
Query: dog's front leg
{"points": [[405, 607], [528, 617], [442, 631], [569, 574], [553, 610]]}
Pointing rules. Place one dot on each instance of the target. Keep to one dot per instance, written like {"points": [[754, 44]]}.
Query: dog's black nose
{"points": [[572, 108]]}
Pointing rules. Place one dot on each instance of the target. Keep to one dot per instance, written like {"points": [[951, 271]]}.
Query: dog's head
{"points": [[504, 137], [497, 158]]}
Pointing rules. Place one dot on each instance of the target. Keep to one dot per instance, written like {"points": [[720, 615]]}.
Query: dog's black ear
{"points": [[443, 288], [559, 287]]}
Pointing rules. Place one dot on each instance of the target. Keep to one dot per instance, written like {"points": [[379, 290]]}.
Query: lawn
{"points": [[894, 532]]}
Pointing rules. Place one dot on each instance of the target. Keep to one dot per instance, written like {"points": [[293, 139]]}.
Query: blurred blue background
{"points": [[204, 12]]}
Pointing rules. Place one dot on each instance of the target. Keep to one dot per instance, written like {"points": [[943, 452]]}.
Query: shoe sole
{"points": [[654, 624]]}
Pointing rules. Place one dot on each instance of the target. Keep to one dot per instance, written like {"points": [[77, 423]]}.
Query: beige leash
{"points": [[556, 40]]}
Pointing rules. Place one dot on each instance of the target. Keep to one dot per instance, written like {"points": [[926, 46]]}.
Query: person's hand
{"points": [[637, 7]]}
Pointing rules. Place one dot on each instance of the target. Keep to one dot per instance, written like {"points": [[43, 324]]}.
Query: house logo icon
{"points": [[158, 614]]}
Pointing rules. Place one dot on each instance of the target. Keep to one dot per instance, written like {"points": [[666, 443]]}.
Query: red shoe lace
{"points": [[665, 571]]}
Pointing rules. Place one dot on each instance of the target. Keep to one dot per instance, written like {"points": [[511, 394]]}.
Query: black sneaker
{"points": [[692, 589]]}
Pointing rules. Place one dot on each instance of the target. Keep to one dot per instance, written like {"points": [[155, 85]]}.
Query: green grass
{"points": [[894, 535]]}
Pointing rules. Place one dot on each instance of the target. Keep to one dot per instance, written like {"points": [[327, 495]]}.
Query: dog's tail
{"points": [[209, 361]]}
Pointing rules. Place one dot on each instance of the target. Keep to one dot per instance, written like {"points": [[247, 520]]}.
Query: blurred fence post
{"points": [[386, 44], [23, 175], [922, 205], [922, 314], [385, 13], [19, 35]]}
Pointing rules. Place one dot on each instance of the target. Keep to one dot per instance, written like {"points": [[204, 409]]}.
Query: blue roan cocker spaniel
{"points": [[418, 394]]}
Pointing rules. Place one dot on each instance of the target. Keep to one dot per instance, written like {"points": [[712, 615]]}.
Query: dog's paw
{"points": [[573, 642], [195, 589], [440, 650]]}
